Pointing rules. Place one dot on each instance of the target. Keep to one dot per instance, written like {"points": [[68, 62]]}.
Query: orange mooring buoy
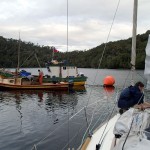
{"points": [[108, 81]]}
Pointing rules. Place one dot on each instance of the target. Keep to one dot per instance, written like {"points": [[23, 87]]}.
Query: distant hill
{"points": [[117, 54]]}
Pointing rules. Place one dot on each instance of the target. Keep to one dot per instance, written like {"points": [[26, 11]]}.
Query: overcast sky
{"points": [[44, 22]]}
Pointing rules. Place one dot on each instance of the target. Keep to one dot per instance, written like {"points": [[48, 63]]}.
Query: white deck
{"points": [[108, 135]]}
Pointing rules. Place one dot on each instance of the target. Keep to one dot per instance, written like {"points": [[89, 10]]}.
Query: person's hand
{"points": [[141, 107]]}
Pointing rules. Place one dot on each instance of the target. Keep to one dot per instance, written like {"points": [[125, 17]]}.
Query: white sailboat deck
{"points": [[107, 136]]}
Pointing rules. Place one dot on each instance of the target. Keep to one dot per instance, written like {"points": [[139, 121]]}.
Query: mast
{"points": [[18, 54], [67, 67], [133, 53]]}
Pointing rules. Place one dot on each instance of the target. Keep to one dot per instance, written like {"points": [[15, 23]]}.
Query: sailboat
{"points": [[129, 131]]}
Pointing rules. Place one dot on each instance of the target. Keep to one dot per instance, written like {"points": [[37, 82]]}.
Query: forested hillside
{"points": [[117, 54]]}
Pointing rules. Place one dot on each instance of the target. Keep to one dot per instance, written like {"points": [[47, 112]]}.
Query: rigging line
{"points": [[35, 147], [96, 123], [90, 81], [140, 75], [37, 60], [27, 59], [56, 129], [62, 125], [127, 135], [84, 108], [140, 98], [100, 116], [48, 135], [108, 120], [89, 125], [124, 85], [92, 120], [100, 60], [126, 79], [130, 127], [109, 117], [115, 101], [86, 119], [73, 137]]}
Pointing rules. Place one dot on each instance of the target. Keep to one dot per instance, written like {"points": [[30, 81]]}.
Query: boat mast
{"points": [[133, 53], [67, 67], [18, 54]]}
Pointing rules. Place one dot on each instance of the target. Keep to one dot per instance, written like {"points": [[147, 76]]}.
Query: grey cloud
{"points": [[45, 21]]}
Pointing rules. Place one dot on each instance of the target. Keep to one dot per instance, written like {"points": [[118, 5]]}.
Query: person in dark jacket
{"points": [[132, 96]]}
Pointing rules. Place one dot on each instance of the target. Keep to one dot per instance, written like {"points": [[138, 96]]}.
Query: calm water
{"points": [[57, 120]]}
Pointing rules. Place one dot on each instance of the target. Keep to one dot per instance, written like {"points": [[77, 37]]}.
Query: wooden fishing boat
{"points": [[18, 83]]}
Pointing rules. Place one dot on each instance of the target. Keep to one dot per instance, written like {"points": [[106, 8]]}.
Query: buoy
{"points": [[108, 81]]}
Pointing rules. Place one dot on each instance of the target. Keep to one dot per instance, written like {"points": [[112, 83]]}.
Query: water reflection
{"points": [[48, 97], [31, 113], [55, 103], [58, 105], [109, 89], [78, 89]]}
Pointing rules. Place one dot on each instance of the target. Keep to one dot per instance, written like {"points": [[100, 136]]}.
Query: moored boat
{"points": [[62, 72], [18, 83]]}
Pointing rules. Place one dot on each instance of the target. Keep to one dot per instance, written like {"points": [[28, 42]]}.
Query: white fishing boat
{"points": [[131, 130], [63, 72]]}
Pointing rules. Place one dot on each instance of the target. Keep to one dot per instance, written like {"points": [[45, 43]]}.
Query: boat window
{"points": [[64, 68], [11, 81]]}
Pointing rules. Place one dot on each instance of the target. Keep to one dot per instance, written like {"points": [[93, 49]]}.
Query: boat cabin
{"points": [[63, 71]]}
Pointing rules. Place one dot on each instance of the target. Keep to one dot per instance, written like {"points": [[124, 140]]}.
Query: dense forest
{"points": [[117, 54]]}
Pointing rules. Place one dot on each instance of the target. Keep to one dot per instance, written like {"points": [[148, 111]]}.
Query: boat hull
{"points": [[77, 81], [44, 86], [80, 83], [107, 136]]}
